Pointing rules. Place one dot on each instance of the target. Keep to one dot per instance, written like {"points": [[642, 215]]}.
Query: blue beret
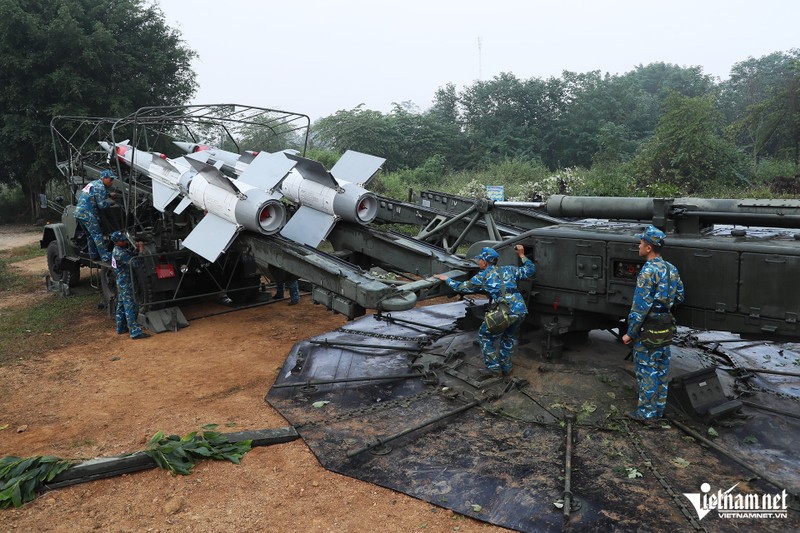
{"points": [[652, 235], [118, 236], [107, 174]]}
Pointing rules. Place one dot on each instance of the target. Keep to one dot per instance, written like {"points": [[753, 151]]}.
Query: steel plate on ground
{"points": [[404, 402]]}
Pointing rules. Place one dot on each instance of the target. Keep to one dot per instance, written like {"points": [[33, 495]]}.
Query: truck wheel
{"points": [[66, 272], [108, 283]]}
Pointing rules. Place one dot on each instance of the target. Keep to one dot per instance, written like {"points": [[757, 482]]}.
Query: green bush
{"points": [[768, 169], [326, 157], [609, 179], [527, 181], [393, 184]]}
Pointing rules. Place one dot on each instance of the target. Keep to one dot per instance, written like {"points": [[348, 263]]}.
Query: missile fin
{"points": [[357, 168], [185, 202], [267, 170], [309, 226], [313, 170], [157, 161], [247, 157], [211, 237], [163, 195], [198, 156], [212, 175]]}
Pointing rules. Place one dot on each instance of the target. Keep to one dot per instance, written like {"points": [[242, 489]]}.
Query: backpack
{"points": [[498, 316]]}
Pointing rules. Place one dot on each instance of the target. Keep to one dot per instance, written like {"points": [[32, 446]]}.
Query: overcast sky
{"points": [[319, 56]]}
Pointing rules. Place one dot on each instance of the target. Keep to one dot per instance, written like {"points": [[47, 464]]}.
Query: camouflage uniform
{"points": [[94, 197], [489, 280], [294, 291], [657, 293], [127, 310], [285, 279]]}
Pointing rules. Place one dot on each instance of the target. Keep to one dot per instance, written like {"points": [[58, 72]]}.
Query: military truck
{"points": [[170, 274], [167, 274], [738, 258]]}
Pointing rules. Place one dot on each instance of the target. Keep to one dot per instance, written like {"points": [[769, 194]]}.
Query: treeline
{"points": [[659, 129]]}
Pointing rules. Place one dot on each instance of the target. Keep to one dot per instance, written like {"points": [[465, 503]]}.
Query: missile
{"points": [[324, 197], [230, 205], [232, 162]]}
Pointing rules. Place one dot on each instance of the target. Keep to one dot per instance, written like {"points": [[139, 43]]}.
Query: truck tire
{"points": [[66, 272]]}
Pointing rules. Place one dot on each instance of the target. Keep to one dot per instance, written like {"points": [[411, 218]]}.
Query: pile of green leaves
{"points": [[20, 478], [180, 454]]}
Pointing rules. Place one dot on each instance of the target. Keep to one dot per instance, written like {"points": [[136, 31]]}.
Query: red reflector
{"points": [[201, 148], [162, 156], [122, 150], [165, 271]]}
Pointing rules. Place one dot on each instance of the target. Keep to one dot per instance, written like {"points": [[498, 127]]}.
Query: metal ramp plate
{"points": [[161, 320], [503, 461]]}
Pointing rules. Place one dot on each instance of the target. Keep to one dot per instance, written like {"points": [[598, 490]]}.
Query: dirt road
{"points": [[105, 394]]}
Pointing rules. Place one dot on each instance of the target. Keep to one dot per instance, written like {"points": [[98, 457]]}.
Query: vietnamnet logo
{"points": [[730, 505]]}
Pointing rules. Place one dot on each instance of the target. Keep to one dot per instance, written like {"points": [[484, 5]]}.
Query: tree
{"points": [[405, 137], [510, 118], [363, 130], [762, 101], [79, 57], [687, 151]]}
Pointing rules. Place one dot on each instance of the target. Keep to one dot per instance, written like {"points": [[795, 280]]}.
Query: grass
{"points": [[23, 253], [41, 326], [31, 326], [10, 279]]}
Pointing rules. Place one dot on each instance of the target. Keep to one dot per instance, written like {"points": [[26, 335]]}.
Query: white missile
{"points": [[232, 162], [323, 196], [230, 205]]}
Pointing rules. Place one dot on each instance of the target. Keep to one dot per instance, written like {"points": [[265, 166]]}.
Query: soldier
{"points": [[658, 288], [94, 197], [490, 280], [285, 279], [127, 310]]}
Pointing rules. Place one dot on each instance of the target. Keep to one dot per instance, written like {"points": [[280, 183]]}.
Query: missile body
{"points": [[230, 205], [323, 196], [231, 161]]}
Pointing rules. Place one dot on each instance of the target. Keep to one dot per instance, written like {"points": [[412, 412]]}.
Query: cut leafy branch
{"points": [[21, 478], [179, 455]]}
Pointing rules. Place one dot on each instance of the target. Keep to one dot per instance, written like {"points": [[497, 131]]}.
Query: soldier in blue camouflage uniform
{"points": [[284, 279], [658, 288], [127, 310], [489, 280], [94, 197]]}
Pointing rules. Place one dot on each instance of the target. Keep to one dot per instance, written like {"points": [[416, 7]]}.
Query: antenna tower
{"points": [[480, 60]]}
